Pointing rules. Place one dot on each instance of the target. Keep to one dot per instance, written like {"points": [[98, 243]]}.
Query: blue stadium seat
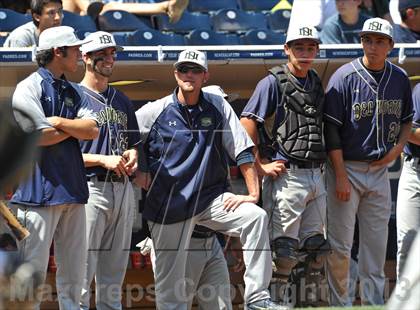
{"points": [[279, 20], [213, 5], [120, 21], [187, 23], [152, 37], [257, 5], [2, 40], [81, 34], [263, 37], [78, 22], [209, 37], [230, 20], [10, 20], [121, 38]]}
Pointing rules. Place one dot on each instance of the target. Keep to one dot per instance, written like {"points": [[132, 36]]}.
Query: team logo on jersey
{"points": [[68, 102], [305, 31], [172, 124], [206, 121], [111, 116], [375, 26]]}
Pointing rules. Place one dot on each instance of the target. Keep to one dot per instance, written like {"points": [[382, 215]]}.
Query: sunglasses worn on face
{"points": [[194, 69]]}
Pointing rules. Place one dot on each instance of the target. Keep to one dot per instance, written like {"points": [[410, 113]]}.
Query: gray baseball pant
{"points": [[109, 219], [370, 200], [408, 209], [296, 204], [66, 224], [171, 242], [207, 276]]}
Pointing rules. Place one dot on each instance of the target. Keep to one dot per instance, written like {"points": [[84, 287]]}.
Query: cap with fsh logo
{"points": [[59, 36], [99, 40], [304, 32], [192, 56], [377, 26]]}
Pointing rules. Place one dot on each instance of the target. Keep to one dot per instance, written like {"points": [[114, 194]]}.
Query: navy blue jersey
{"points": [[262, 106], [410, 148], [368, 113], [58, 176], [187, 151], [118, 129]]}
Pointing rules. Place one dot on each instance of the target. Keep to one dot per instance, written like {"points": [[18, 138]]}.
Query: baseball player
{"points": [[206, 268], [368, 114], [408, 202], [284, 117], [187, 138], [109, 160], [51, 201]]}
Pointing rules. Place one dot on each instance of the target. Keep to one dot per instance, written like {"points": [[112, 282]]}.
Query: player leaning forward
{"points": [[51, 201], [368, 119], [188, 137], [109, 160]]}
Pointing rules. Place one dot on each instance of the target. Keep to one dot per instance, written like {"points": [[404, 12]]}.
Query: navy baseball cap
{"points": [[407, 4]]}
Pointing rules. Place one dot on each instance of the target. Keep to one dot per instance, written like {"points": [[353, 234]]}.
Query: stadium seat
{"points": [[230, 20], [152, 37], [213, 5], [120, 21], [10, 20], [121, 38], [257, 5], [78, 22], [209, 37], [279, 20], [187, 23], [263, 37], [81, 34], [2, 40]]}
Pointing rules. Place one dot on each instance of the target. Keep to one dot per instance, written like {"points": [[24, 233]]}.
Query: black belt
{"points": [[202, 234], [303, 164], [108, 178]]}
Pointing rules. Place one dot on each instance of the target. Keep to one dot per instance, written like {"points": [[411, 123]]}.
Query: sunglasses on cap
{"points": [[186, 68]]}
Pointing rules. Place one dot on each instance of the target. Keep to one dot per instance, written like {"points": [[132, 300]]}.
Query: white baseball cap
{"points": [[192, 56], [99, 40], [377, 26], [302, 32], [217, 90], [59, 36]]}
